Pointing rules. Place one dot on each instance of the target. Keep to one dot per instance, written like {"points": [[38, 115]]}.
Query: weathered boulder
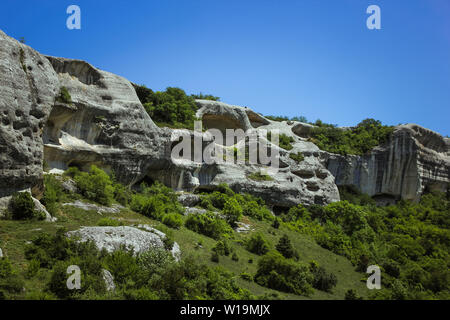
{"points": [[113, 238], [189, 211], [189, 199], [176, 251], [68, 184], [115, 208], [130, 238], [38, 206], [109, 280]]}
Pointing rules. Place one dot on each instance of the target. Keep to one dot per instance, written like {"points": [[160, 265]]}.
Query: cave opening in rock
{"points": [[147, 180], [279, 210]]}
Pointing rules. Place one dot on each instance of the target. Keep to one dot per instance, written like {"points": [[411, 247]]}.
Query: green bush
{"points": [[156, 202], [215, 257], [23, 208], [72, 172], [284, 141], [358, 140], [233, 205], [246, 276], [209, 225], [33, 268], [214, 200], [53, 193], [257, 244], [323, 280], [205, 97], [48, 249], [254, 207], [122, 194], [258, 176], [284, 118], [57, 283], [12, 285], [155, 260], [173, 220], [285, 247], [64, 96], [276, 272], [222, 248], [276, 223], [87, 257], [172, 108], [168, 241], [351, 295], [354, 196], [5, 268], [232, 211], [122, 265], [95, 185]]}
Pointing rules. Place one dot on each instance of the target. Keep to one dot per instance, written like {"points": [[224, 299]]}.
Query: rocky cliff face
{"points": [[106, 125], [28, 86], [413, 159]]}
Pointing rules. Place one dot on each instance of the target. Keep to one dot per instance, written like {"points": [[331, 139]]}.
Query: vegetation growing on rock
{"points": [[64, 96], [356, 140], [297, 157], [205, 97], [171, 108], [258, 176]]}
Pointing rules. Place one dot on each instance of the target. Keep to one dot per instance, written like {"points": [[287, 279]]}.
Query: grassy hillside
{"points": [[328, 248]]}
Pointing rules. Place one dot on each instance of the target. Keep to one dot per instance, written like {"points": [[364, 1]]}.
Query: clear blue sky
{"points": [[314, 58]]}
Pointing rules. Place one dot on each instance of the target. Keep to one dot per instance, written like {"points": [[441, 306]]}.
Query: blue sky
{"points": [[314, 58]]}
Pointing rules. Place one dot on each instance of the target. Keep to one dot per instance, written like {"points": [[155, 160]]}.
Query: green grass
{"points": [[297, 157], [308, 250], [14, 236], [258, 176]]}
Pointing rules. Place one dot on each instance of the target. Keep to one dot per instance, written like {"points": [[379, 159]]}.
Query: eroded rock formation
{"points": [[413, 159], [105, 124]]}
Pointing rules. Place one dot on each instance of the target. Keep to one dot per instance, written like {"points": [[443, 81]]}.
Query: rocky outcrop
{"points": [[38, 206], [307, 182], [129, 238], [219, 115], [104, 123], [109, 280], [413, 159], [188, 199], [115, 208], [28, 86]]}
